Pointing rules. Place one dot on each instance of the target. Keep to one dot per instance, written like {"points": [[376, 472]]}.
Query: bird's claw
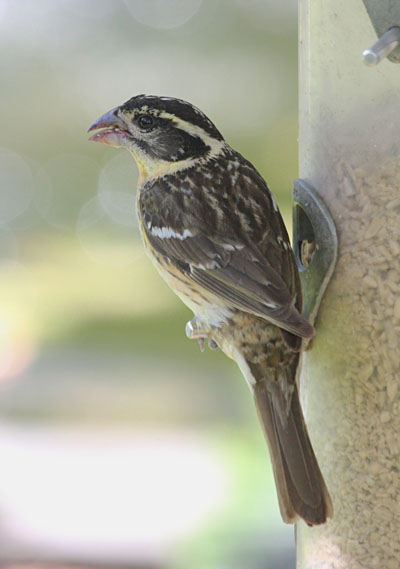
{"points": [[194, 332]]}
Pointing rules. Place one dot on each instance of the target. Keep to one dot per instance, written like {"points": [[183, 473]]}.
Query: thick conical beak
{"points": [[114, 133]]}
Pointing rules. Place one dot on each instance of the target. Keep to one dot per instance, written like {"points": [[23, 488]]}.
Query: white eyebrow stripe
{"points": [[215, 144], [168, 233]]}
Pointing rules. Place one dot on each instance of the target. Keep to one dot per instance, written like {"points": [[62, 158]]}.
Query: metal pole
{"points": [[350, 382]]}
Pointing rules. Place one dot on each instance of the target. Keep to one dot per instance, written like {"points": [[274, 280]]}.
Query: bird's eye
{"points": [[145, 122]]}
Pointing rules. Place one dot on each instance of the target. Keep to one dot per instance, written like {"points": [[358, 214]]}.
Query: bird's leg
{"points": [[194, 331]]}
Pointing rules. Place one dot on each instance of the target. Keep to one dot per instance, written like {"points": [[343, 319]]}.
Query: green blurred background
{"points": [[121, 443]]}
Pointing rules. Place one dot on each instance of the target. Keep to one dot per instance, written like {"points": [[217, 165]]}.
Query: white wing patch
{"points": [[270, 305], [229, 247], [168, 233]]}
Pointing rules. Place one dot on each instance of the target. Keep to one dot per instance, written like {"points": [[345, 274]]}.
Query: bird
{"points": [[215, 234]]}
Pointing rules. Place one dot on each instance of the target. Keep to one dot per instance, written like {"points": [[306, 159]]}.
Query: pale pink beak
{"points": [[114, 133]]}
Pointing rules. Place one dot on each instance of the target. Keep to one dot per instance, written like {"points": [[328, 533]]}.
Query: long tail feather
{"points": [[301, 488]]}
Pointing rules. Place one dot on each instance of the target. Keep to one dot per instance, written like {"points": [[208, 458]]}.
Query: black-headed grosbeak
{"points": [[214, 232]]}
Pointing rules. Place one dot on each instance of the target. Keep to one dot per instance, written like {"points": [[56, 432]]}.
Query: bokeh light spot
{"points": [[105, 241], [90, 9], [117, 189], [72, 177], [162, 14], [16, 185]]}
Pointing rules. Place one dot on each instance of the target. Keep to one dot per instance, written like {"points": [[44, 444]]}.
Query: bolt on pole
{"points": [[349, 146]]}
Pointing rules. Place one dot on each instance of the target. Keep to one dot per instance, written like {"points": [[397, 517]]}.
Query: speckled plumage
{"points": [[214, 232]]}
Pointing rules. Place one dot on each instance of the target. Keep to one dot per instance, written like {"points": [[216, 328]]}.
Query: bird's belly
{"points": [[210, 311]]}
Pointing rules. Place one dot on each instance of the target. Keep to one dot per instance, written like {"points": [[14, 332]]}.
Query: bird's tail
{"points": [[301, 488]]}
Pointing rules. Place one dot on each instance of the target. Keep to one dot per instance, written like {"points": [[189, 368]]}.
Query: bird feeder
{"points": [[349, 190]]}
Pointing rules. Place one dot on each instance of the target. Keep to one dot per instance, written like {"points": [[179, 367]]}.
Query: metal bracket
{"points": [[315, 245], [385, 16]]}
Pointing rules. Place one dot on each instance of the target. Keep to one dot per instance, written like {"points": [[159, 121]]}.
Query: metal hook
{"points": [[314, 243]]}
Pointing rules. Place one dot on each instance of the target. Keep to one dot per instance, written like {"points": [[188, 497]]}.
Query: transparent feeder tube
{"points": [[350, 381]]}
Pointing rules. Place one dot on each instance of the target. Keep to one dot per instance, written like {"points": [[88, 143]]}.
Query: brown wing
{"points": [[231, 242]]}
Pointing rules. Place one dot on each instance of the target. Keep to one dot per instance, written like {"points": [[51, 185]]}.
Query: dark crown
{"points": [[177, 107]]}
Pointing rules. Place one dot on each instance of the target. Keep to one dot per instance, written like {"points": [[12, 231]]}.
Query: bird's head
{"points": [[163, 134]]}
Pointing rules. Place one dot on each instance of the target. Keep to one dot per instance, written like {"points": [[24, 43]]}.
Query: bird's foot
{"points": [[195, 332]]}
